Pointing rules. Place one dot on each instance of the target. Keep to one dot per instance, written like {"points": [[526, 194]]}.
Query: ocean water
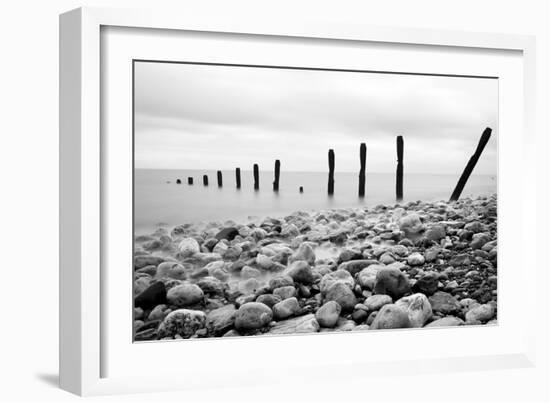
{"points": [[159, 201]]}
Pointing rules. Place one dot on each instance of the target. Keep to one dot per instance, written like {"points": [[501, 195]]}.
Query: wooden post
{"points": [[363, 161], [485, 136], [220, 179], [301, 189], [399, 172], [331, 172], [190, 180], [277, 175], [256, 177], [238, 177], [205, 180], [178, 181]]}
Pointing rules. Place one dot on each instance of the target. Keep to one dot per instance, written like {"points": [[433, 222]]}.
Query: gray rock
{"points": [[171, 270], [436, 233], [185, 294], [147, 260], [285, 292], [300, 272], [253, 315], [474, 227], [415, 259], [446, 321], [411, 225], [328, 314], [367, 277], [305, 252], [444, 303], [340, 292], [249, 272], [286, 308], [182, 322], [211, 286], [269, 299], [460, 260], [480, 313], [264, 262], [418, 309], [391, 316], [427, 283], [221, 320], [280, 281], [479, 240], [301, 324], [188, 247], [355, 266], [391, 282], [332, 277], [375, 302], [159, 312]]}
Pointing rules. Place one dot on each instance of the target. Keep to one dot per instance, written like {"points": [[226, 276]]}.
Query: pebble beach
{"points": [[413, 265]]}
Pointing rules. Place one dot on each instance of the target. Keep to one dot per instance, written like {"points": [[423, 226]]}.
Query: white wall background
{"points": [[29, 202]]}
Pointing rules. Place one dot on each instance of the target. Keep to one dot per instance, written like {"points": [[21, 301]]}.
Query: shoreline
{"points": [[416, 264]]}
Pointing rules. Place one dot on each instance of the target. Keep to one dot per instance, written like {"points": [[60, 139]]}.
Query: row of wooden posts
{"points": [[362, 171]]}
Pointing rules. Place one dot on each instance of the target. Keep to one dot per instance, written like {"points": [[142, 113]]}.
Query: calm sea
{"points": [[159, 203]]}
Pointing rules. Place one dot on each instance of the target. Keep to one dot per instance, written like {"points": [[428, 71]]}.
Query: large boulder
{"points": [[152, 296], [182, 322], [221, 320], [391, 282], [185, 294], [253, 315], [286, 308], [328, 314], [367, 277], [188, 247], [340, 292], [300, 272], [418, 309], [391, 316]]}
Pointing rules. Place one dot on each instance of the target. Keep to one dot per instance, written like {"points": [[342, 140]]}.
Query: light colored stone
{"points": [[417, 307], [328, 314], [340, 292], [481, 313], [301, 324], [182, 322], [375, 302], [415, 259], [391, 316], [286, 308], [184, 295], [253, 315], [188, 247], [446, 321]]}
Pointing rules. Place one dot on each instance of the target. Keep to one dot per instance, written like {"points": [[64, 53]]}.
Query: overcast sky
{"points": [[219, 117]]}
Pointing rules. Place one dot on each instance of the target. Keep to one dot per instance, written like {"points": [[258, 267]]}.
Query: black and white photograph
{"points": [[272, 200]]}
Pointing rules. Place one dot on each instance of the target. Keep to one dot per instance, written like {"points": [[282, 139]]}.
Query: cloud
{"points": [[219, 117]]}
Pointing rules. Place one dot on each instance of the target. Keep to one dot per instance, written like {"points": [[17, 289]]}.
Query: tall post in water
{"points": [[485, 136], [238, 177], [331, 172], [277, 175], [190, 180], [205, 180], [256, 177], [363, 161], [399, 172], [220, 179]]}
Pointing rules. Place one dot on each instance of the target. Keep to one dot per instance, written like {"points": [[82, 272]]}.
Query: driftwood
{"points": [[399, 172], [485, 136], [363, 161], [330, 172]]}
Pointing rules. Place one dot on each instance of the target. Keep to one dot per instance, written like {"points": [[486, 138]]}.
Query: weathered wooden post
{"points": [[220, 179], [331, 172], [301, 189], [178, 181], [238, 177], [256, 177], [277, 175], [205, 180], [399, 172], [190, 180], [363, 161], [485, 136]]}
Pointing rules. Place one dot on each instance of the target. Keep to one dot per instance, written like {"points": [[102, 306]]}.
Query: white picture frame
{"points": [[85, 344]]}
